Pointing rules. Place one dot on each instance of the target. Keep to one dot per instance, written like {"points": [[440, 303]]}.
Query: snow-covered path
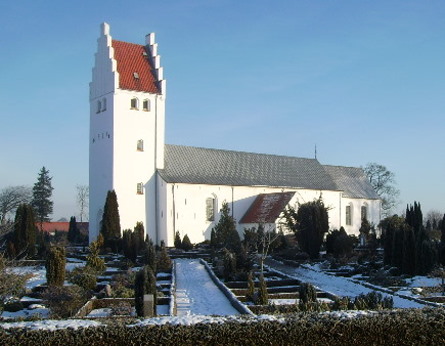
{"points": [[337, 285], [196, 293]]}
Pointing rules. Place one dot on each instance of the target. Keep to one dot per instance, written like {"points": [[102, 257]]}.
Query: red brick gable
{"points": [[267, 207], [131, 59]]}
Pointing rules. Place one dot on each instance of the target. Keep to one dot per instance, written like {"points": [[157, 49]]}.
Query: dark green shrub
{"points": [[64, 302], [83, 277], [307, 293], [262, 297], [94, 262], [229, 260], [250, 294], [145, 283], [55, 266], [164, 262], [178, 242], [149, 254], [186, 243]]}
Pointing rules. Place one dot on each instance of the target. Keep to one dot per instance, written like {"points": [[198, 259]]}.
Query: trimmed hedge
{"points": [[403, 327]]}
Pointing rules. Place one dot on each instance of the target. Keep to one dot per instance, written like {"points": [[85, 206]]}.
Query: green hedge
{"points": [[403, 327]]}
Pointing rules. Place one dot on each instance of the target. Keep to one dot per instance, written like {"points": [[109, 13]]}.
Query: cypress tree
{"points": [[55, 266], [41, 196], [111, 227], [139, 233], [164, 263], [226, 234], [262, 297], [24, 231], [149, 257], [73, 231]]}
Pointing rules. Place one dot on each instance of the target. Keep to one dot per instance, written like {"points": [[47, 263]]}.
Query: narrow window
{"points": [[140, 145], [364, 212], [146, 105], [134, 103], [140, 188], [210, 209], [104, 104], [348, 215], [99, 107]]}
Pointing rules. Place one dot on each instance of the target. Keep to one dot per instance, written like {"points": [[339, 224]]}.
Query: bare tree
{"points": [[10, 198], [83, 194], [266, 238], [383, 181], [434, 217]]}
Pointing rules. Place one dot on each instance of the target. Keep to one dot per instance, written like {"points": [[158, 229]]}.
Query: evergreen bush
{"points": [[145, 283], [94, 262], [229, 260], [164, 262], [262, 296], [186, 243], [55, 266], [307, 293], [178, 242], [149, 255]]}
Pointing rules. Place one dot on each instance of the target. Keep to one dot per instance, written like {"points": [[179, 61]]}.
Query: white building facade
{"points": [[173, 188]]}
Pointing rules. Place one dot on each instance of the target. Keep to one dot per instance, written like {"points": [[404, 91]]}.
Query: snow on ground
{"points": [[51, 324], [196, 293], [35, 310], [336, 285]]}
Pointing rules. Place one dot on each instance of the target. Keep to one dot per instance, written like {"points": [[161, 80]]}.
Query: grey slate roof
{"points": [[193, 165], [352, 181]]}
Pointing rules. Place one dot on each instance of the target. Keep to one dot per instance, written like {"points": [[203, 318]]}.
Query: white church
{"points": [[174, 188]]}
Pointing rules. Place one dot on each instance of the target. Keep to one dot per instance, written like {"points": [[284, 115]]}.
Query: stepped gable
{"points": [[267, 207], [135, 67], [184, 164]]}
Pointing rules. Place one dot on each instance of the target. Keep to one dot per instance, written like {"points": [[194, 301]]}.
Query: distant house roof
{"points": [[51, 227], [134, 67], [267, 207], [184, 164], [352, 181]]}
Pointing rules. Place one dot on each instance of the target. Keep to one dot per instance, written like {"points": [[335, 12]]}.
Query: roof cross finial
{"points": [[315, 151]]}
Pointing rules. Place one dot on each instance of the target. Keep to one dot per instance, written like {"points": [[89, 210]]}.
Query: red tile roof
{"points": [[130, 59], [267, 207], [60, 226]]}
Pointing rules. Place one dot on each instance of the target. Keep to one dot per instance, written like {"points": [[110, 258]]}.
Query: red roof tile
{"points": [[130, 59], [60, 226], [267, 207]]}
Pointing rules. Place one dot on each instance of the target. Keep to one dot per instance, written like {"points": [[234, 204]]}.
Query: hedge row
{"points": [[403, 327]]}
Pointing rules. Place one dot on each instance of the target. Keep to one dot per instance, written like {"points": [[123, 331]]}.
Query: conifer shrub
{"points": [[178, 242], [164, 262], [262, 297], [229, 261], [250, 293], [55, 266], [145, 283], [149, 254], [307, 293], [94, 262], [186, 243], [83, 277]]}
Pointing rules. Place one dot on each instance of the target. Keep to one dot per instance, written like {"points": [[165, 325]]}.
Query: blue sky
{"points": [[363, 80]]}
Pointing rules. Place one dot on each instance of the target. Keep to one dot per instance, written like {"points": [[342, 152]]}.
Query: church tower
{"points": [[127, 126]]}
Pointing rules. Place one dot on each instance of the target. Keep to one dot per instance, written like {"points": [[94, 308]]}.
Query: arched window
{"points": [[146, 105], [364, 212], [134, 103], [349, 215], [104, 104], [210, 209]]}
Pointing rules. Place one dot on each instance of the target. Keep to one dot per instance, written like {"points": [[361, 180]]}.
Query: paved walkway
{"points": [[196, 293], [336, 285]]}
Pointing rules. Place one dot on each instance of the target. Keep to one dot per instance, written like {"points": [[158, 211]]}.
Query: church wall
{"points": [[373, 213], [184, 208]]}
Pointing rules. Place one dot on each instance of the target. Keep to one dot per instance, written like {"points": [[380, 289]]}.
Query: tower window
{"points": [[99, 107], [140, 189], [140, 145], [146, 105], [134, 104], [104, 104]]}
